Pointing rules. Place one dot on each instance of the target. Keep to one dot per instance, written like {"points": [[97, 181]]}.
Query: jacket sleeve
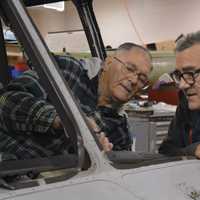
{"points": [[22, 112], [177, 141]]}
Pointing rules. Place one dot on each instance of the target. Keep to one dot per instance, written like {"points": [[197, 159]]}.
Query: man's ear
{"points": [[108, 61]]}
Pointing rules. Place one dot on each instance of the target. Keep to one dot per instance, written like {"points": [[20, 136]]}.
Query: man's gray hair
{"points": [[127, 46], [188, 41]]}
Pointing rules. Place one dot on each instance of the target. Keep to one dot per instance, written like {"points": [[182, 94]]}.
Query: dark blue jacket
{"points": [[179, 140]]}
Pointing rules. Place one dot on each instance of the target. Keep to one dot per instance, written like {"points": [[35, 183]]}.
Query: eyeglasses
{"points": [[143, 82], [189, 76]]}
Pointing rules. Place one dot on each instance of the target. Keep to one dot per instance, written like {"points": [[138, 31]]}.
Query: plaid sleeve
{"points": [[25, 149], [77, 79], [22, 112]]}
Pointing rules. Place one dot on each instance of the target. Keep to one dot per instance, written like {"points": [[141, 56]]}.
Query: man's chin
{"points": [[120, 95], [120, 99], [193, 106]]}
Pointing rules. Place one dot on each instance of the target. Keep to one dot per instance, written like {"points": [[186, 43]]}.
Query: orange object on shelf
{"points": [[21, 67]]}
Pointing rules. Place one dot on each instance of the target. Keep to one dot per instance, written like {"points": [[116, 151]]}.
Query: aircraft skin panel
{"points": [[88, 190], [175, 180]]}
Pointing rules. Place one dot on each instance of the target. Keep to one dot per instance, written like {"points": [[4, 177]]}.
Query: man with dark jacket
{"points": [[184, 131]]}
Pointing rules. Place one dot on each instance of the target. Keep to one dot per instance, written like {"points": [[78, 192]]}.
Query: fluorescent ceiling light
{"points": [[59, 6]]}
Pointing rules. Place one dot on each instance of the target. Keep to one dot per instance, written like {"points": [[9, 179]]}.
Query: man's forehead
{"points": [[189, 58], [140, 56], [137, 51], [135, 54]]}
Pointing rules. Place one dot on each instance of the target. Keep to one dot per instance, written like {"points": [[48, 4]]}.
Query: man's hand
{"points": [[107, 146], [57, 124], [197, 151], [104, 141]]}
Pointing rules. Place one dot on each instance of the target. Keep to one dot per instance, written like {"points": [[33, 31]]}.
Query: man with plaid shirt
{"points": [[30, 126]]}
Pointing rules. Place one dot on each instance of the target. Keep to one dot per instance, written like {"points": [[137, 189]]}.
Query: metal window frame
{"points": [[16, 16], [92, 31]]}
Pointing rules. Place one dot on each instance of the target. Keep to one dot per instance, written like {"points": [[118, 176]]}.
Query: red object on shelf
{"points": [[169, 96]]}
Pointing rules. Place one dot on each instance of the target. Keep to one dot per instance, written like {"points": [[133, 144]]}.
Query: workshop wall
{"points": [[139, 21]]}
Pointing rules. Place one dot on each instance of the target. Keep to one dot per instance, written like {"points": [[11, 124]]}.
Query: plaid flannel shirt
{"points": [[26, 115]]}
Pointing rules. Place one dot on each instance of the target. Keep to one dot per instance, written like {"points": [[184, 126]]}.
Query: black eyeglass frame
{"points": [[177, 75]]}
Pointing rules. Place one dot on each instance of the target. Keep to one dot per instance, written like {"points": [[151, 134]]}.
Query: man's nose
{"points": [[183, 84], [133, 78]]}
